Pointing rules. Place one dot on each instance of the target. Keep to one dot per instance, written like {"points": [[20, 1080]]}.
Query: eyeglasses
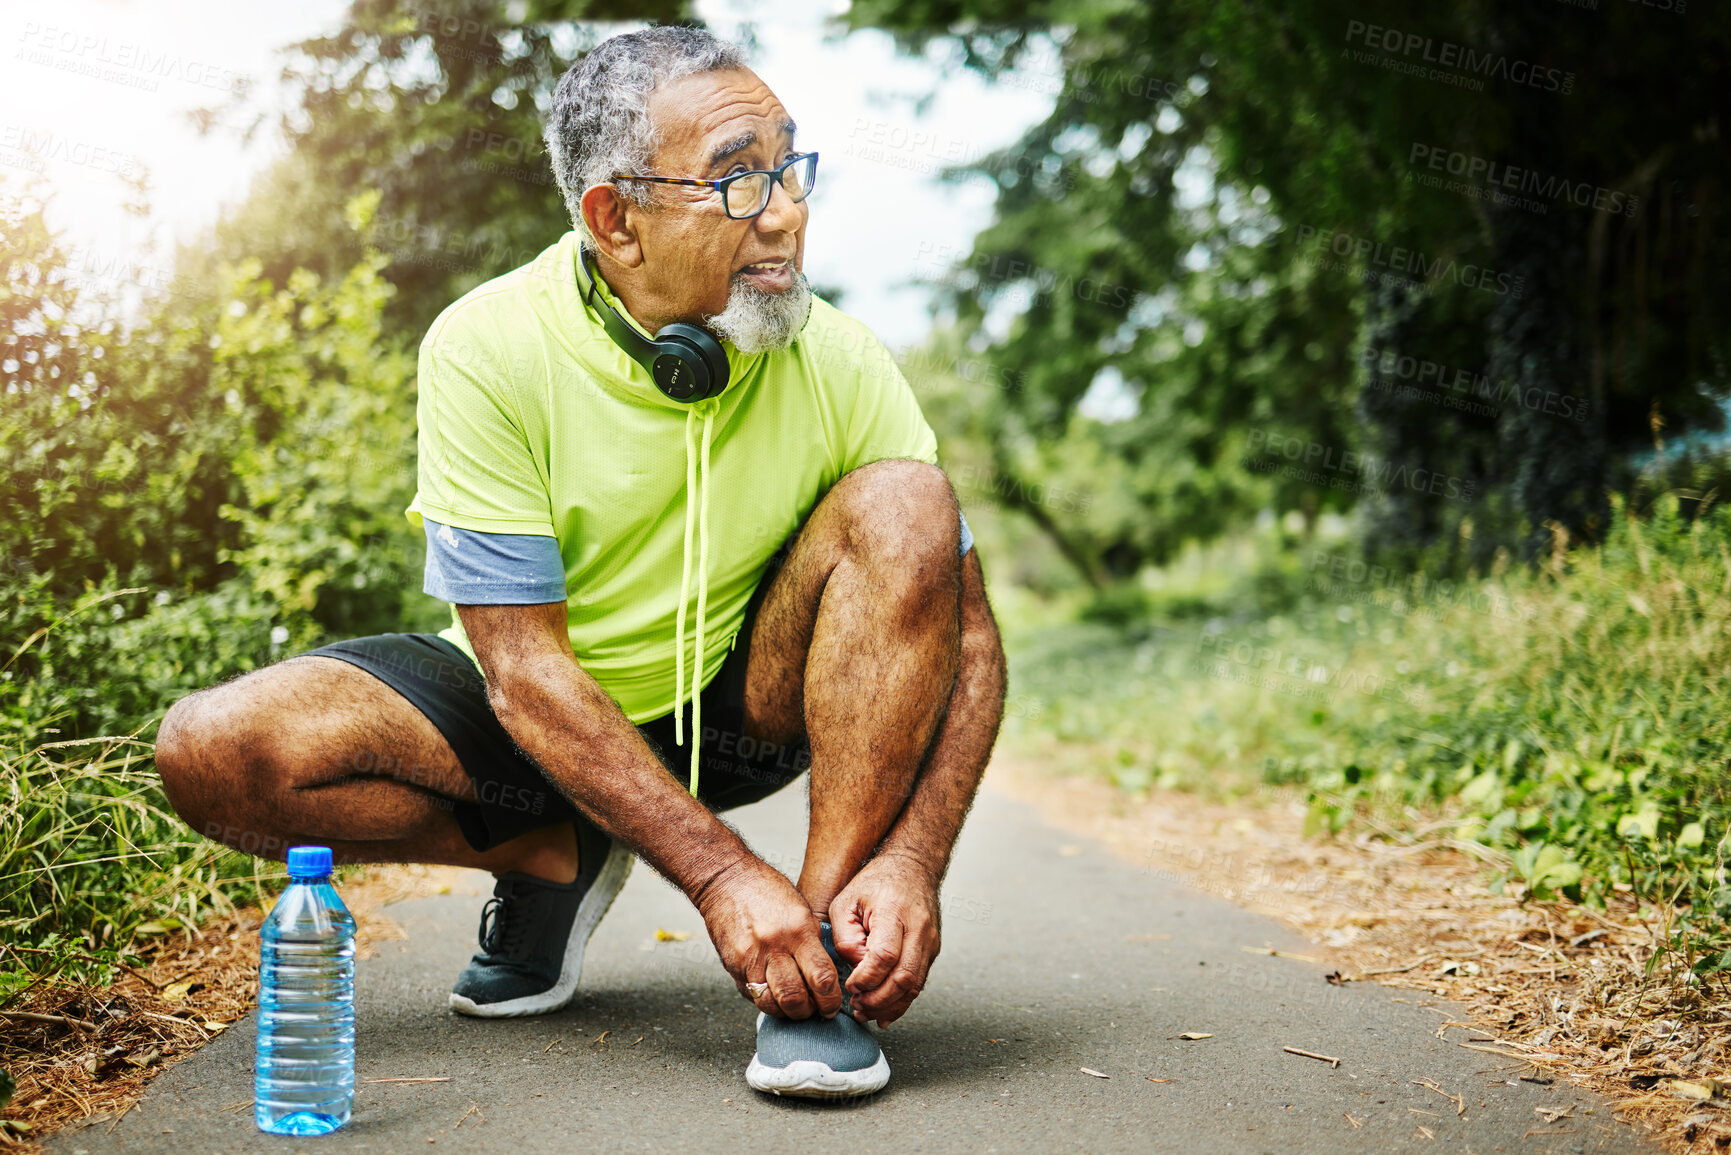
{"points": [[746, 194]]}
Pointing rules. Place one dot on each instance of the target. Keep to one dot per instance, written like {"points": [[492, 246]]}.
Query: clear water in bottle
{"points": [[304, 1083]]}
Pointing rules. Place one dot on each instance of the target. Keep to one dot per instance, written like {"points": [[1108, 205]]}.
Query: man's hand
{"points": [[765, 932], [886, 921]]}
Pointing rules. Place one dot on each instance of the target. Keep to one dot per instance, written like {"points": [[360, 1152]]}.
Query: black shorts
{"points": [[512, 795]]}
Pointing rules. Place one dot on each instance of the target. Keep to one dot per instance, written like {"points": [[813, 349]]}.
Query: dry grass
{"points": [[1559, 987], [81, 1053]]}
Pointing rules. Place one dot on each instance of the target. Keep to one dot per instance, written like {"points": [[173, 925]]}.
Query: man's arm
{"points": [[944, 791], [889, 911], [565, 721]]}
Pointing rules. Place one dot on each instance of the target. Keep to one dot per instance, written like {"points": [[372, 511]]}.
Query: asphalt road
{"points": [[1057, 956]]}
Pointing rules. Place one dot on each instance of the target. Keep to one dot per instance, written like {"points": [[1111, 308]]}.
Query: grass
{"points": [[1571, 718], [92, 858], [90, 852]]}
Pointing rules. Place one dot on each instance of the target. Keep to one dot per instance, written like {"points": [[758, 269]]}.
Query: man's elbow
{"points": [[508, 695], [520, 650], [518, 686]]}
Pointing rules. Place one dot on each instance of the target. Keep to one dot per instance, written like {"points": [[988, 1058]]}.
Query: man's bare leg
{"points": [[857, 646], [887, 916], [315, 750]]}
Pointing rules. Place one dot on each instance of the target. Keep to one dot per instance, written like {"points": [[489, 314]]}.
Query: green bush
{"points": [[1573, 716], [245, 460], [209, 490], [90, 856]]}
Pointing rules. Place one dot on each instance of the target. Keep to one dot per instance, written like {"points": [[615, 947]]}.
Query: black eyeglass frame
{"points": [[721, 186]]}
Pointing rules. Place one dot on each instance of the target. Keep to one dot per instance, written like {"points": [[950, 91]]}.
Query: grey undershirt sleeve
{"points": [[465, 567]]}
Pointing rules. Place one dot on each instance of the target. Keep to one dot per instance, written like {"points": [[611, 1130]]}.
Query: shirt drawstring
{"points": [[696, 510]]}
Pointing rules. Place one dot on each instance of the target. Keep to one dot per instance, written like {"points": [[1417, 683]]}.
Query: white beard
{"points": [[756, 321]]}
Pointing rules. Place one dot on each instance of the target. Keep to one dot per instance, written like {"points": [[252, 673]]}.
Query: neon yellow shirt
{"points": [[532, 421]]}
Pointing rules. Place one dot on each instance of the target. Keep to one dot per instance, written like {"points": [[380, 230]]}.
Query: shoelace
{"points": [[843, 968], [500, 933], [696, 509]]}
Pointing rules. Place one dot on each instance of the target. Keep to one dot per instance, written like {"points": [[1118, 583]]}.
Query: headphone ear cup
{"points": [[705, 350], [679, 370]]}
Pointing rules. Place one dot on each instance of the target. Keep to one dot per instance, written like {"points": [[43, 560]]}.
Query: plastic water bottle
{"points": [[304, 1083]]}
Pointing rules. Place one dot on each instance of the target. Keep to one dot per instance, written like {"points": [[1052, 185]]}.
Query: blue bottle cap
{"points": [[309, 861]]}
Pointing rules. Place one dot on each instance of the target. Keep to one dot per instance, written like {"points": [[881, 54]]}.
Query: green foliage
{"points": [[112, 455], [438, 108], [1243, 187], [90, 854], [92, 857], [212, 489], [244, 460], [1573, 719], [1593, 719], [322, 528]]}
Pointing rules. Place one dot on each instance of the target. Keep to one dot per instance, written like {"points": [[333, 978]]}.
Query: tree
{"points": [[237, 464], [1449, 264], [439, 109]]}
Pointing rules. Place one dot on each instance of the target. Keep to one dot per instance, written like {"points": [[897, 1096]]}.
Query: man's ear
{"points": [[608, 216]]}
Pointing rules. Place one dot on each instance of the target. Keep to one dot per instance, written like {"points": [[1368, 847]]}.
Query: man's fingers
{"points": [[890, 999], [757, 993], [820, 976], [894, 994], [787, 987], [848, 930], [883, 951], [884, 1016]]}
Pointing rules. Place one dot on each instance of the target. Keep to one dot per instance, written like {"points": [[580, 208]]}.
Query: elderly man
{"points": [[691, 527]]}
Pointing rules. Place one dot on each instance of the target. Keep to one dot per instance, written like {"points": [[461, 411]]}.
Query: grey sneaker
{"points": [[818, 1058], [533, 933]]}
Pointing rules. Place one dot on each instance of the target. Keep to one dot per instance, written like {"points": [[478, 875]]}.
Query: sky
{"points": [[93, 92]]}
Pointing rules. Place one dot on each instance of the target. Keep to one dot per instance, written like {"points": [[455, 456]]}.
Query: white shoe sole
{"points": [[595, 904], [810, 1079]]}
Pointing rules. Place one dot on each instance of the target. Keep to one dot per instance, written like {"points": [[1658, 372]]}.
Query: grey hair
{"points": [[599, 121]]}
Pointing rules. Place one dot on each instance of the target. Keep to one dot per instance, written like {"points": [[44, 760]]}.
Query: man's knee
{"points": [[902, 512], [183, 743], [204, 749]]}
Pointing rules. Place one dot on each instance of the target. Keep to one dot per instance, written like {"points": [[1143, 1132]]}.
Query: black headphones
{"points": [[686, 363]]}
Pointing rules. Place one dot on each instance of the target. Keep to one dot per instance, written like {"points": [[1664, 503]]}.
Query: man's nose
{"points": [[782, 214]]}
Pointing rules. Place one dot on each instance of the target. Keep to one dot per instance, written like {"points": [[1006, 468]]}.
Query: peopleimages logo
{"points": [[46, 145], [898, 138], [1359, 473], [1418, 379], [1408, 260], [1014, 489], [123, 62], [1285, 672], [965, 269], [1483, 173], [1446, 54], [1349, 579]]}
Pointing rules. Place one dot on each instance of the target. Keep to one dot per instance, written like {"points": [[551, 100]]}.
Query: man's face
{"points": [[695, 261]]}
